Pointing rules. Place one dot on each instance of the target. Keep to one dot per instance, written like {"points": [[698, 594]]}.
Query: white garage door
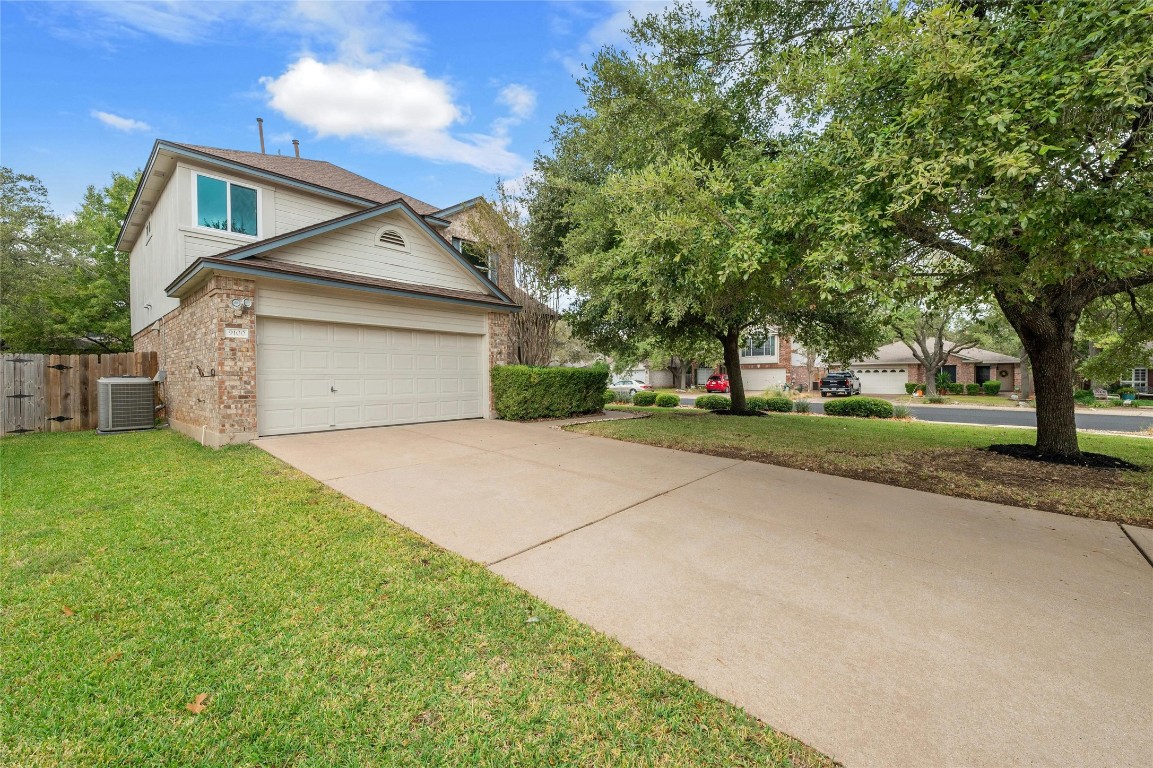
{"points": [[757, 380], [316, 376], [883, 381]]}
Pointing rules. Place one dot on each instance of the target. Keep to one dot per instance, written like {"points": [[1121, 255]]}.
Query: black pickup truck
{"points": [[840, 383]]}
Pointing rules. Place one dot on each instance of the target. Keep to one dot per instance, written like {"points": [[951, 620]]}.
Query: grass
{"points": [[142, 571], [939, 458]]}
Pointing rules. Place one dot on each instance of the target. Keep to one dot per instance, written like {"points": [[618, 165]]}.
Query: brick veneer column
{"points": [[499, 349], [210, 391]]}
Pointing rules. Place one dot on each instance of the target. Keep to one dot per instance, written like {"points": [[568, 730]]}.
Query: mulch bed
{"points": [[1088, 460]]}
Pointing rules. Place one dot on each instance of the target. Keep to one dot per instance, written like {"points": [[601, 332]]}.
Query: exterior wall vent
{"points": [[126, 403], [391, 237]]}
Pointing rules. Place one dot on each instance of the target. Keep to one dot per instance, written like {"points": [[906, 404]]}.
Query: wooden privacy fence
{"points": [[57, 393]]}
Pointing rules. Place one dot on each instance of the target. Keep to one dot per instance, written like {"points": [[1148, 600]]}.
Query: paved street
{"points": [[1129, 421], [881, 625]]}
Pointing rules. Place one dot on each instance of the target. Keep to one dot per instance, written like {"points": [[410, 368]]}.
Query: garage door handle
{"points": [[332, 389]]}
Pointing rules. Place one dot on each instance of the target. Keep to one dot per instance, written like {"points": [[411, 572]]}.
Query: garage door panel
{"points": [[313, 359], [882, 380], [380, 376], [758, 380]]}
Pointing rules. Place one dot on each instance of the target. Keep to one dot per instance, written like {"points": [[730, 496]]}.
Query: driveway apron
{"points": [[881, 625]]}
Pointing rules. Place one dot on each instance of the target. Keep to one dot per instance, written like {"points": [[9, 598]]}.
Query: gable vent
{"points": [[391, 237]]}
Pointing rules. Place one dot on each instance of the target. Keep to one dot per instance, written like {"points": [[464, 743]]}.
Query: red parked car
{"points": [[717, 384]]}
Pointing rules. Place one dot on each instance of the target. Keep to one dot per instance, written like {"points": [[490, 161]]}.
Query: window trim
{"points": [[747, 349], [227, 206], [1131, 377]]}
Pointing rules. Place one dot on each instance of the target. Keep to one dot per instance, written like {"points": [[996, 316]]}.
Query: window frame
{"points": [[227, 205], [1131, 380], [748, 349]]}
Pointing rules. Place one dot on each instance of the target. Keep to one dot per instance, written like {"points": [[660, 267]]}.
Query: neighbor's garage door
{"points": [[882, 381], [759, 379], [313, 376]]}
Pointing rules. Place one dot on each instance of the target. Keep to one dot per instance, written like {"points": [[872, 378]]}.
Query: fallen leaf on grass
{"points": [[67, 611], [113, 657], [197, 705]]}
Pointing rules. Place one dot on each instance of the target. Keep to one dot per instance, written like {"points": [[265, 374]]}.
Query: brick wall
{"points": [[499, 348], [210, 390]]}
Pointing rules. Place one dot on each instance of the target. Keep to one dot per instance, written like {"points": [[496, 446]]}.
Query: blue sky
{"points": [[437, 99]]}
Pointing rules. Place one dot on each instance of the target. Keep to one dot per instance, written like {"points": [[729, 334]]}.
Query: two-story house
{"points": [[287, 295]]}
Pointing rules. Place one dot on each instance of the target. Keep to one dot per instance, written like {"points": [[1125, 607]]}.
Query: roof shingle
{"points": [[318, 172]]}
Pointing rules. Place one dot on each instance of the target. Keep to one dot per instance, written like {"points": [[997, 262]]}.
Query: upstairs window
{"points": [[226, 206], [476, 256], [758, 348]]}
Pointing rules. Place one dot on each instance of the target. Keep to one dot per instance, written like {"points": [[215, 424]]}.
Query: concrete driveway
{"points": [[883, 626]]}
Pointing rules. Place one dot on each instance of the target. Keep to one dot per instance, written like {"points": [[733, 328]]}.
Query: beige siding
{"points": [[294, 210], [155, 260], [354, 249], [275, 298]]}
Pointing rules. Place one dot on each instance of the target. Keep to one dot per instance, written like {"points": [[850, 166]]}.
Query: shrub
{"points": [[801, 406], [1084, 397], [668, 400], [955, 389], [779, 405], [622, 397], [610, 396], [901, 412], [1123, 391], [756, 403], [521, 392], [862, 407], [644, 398], [912, 386], [935, 399], [991, 387], [973, 389], [713, 402]]}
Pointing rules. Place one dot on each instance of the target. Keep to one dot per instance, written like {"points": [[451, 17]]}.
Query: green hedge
{"points": [[610, 396], [644, 398], [991, 387], [668, 400], [713, 402], [521, 392], [912, 386], [972, 389], [757, 403], [863, 407]]}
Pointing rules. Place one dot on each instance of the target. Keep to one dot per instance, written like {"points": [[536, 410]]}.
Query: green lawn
{"points": [[142, 570], [939, 458]]}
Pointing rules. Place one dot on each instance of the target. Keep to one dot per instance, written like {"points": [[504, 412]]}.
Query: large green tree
{"points": [[988, 148], [648, 208], [37, 254], [64, 285]]}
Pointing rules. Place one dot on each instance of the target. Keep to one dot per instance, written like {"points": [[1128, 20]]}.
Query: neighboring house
{"points": [[1141, 379], [887, 371], [290, 295], [800, 371]]}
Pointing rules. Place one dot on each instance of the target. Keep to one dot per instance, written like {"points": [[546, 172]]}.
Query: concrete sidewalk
{"points": [[881, 625]]}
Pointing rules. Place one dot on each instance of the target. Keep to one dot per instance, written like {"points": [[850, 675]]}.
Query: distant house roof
{"points": [[319, 172], [898, 352]]}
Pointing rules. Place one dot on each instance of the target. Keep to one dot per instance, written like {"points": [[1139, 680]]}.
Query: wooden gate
{"points": [[57, 393]]}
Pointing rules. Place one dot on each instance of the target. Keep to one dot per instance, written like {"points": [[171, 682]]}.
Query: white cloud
{"points": [[126, 124], [520, 100], [355, 31], [396, 104]]}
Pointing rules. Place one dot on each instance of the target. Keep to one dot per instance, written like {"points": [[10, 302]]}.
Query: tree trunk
{"points": [[1052, 362], [930, 380], [732, 345], [1046, 327]]}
